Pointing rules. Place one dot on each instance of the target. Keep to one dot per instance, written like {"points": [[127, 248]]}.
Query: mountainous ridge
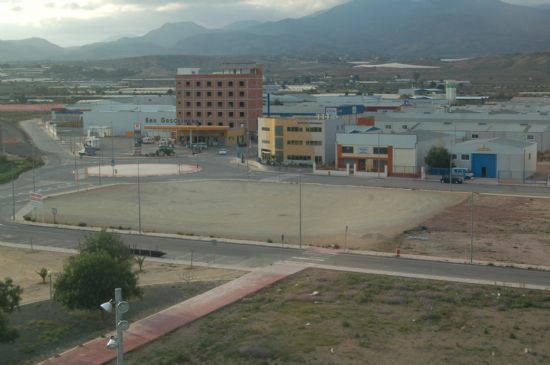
{"points": [[392, 28]]}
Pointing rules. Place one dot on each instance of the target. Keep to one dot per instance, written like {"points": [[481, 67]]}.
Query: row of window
{"points": [[220, 104], [265, 129], [300, 129], [210, 83], [462, 157], [375, 150], [298, 158], [219, 124], [211, 114], [300, 143], [209, 94]]}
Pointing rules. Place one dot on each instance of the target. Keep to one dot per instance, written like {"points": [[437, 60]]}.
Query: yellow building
{"points": [[298, 140]]}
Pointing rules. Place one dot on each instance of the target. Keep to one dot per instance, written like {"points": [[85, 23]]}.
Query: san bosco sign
{"points": [[170, 121]]}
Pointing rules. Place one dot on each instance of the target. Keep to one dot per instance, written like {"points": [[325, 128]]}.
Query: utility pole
{"points": [[346, 240], [33, 174], [13, 196], [472, 228], [300, 197], [139, 198], [113, 148]]}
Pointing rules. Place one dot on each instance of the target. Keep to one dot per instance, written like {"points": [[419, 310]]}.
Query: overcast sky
{"points": [[75, 22]]}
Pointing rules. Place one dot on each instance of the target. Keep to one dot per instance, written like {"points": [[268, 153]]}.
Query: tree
{"points": [[438, 157], [10, 296], [43, 273], [108, 242], [89, 279]]}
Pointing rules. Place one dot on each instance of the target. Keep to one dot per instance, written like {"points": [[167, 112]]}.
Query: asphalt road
{"points": [[57, 176]]}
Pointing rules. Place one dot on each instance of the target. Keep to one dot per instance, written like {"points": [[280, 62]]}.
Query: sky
{"points": [[77, 22]]}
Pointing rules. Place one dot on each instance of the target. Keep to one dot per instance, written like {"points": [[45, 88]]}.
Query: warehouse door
{"points": [[484, 165]]}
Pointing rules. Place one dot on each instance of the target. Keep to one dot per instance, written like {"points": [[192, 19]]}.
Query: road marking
{"points": [[308, 258]]}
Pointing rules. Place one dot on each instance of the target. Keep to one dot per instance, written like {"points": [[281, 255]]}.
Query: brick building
{"points": [[231, 98]]}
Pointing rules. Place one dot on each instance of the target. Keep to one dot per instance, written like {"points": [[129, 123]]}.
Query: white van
{"points": [[462, 171]]}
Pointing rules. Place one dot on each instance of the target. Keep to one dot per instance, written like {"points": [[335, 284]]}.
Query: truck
{"points": [[87, 151]]}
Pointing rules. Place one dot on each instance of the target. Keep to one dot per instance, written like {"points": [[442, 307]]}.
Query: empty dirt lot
{"points": [[256, 210], [508, 229]]}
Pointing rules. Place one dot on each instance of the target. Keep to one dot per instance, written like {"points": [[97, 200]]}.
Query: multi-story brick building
{"points": [[231, 98]]}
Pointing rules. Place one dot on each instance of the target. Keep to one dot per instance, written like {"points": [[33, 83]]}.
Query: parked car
{"points": [[453, 179], [463, 172], [222, 152], [87, 151]]}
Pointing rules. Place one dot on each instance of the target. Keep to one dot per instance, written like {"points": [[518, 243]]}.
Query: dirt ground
{"points": [[328, 317], [22, 266], [507, 229], [256, 210]]}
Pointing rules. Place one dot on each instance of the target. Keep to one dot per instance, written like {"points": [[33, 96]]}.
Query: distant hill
{"points": [[29, 50], [392, 28]]}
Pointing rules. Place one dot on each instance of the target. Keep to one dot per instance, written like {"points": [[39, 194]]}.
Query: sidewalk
{"points": [[157, 325]]}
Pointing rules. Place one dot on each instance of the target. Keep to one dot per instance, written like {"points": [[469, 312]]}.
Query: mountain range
{"points": [[390, 28]]}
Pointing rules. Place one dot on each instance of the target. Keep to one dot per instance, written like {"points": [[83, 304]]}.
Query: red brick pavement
{"points": [[153, 327]]}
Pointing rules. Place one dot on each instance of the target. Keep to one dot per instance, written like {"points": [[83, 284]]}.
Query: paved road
{"points": [[56, 176]]}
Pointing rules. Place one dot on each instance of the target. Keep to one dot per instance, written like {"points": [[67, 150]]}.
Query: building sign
{"points": [[171, 121], [36, 200], [484, 148], [363, 150]]}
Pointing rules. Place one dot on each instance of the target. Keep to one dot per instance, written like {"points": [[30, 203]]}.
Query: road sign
{"points": [[113, 162], [54, 211]]}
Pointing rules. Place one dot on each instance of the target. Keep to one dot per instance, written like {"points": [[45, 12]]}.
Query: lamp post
{"points": [[121, 307], [346, 240], [139, 198], [300, 198], [472, 228]]}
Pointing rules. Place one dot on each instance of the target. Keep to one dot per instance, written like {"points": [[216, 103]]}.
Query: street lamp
{"points": [[121, 307]]}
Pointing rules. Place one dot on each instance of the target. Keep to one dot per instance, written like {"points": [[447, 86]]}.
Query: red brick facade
{"points": [[233, 98]]}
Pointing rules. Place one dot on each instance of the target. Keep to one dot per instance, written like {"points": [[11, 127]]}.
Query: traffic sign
{"points": [[113, 162]]}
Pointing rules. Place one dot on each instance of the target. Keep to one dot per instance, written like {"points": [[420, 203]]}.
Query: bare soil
{"points": [[507, 229]]}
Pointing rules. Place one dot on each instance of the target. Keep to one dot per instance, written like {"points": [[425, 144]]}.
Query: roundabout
{"points": [[143, 170]]}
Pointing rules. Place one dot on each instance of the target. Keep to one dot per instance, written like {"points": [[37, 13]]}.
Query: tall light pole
{"points": [[472, 228], [300, 198], [113, 148], [33, 174], [139, 198], [13, 196], [121, 307]]}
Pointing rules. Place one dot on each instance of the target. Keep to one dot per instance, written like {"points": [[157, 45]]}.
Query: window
{"points": [[209, 84], [241, 83], [294, 129], [241, 114], [220, 124], [209, 114], [199, 114], [220, 94], [530, 136], [453, 156], [199, 104], [230, 94], [388, 126], [241, 94], [314, 129], [404, 127], [347, 149], [318, 160], [265, 141], [314, 143], [380, 150], [230, 84], [209, 94], [220, 104], [465, 157], [295, 143], [231, 104], [220, 84], [198, 84], [529, 156], [179, 93], [279, 130], [241, 104], [188, 83], [179, 102], [220, 114], [265, 129], [474, 136], [231, 125], [188, 94], [188, 114], [179, 82], [188, 104], [209, 104], [198, 94], [231, 114]]}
